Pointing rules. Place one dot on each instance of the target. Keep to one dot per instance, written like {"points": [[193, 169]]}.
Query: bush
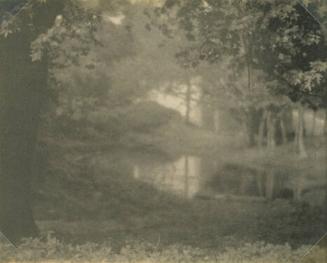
{"points": [[149, 115]]}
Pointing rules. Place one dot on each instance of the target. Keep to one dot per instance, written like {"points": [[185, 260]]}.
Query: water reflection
{"points": [[202, 177], [239, 180], [192, 176]]}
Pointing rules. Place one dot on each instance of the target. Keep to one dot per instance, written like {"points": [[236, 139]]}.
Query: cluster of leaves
{"points": [[298, 47], [74, 29], [280, 39]]}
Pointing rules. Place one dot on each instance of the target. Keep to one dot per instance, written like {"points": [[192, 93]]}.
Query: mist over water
{"points": [[204, 177]]}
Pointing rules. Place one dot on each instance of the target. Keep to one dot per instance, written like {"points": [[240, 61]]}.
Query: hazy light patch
{"points": [[117, 20], [178, 103], [148, 2]]}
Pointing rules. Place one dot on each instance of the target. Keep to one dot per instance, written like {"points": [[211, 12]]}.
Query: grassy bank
{"points": [[123, 208], [52, 250], [104, 204]]}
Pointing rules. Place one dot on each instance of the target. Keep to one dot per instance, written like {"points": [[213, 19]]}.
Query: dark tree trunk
{"points": [[253, 120], [325, 137], [325, 143], [287, 118], [22, 84], [22, 91], [262, 126], [271, 132]]}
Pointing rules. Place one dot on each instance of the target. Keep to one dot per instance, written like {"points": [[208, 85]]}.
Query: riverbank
{"points": [[83, 202], [104, 203]]}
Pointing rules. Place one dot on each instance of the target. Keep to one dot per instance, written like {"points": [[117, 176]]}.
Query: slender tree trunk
{"points": [[283, 131], [271, 126], [300, 133], [262, 129], [314, 121], [288, 122], [249, 58], [247, 43]]}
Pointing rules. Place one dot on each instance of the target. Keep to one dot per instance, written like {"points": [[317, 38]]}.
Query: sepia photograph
{"points": [[163, 131]]}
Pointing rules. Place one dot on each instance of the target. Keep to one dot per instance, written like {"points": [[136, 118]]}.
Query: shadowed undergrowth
{"points": [[108, 207], [52, 250]]}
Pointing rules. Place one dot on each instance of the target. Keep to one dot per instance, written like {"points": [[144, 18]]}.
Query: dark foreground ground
{"points": [[125, 220]]}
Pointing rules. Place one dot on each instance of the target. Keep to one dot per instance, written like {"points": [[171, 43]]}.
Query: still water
{"points": [[190, 176]]}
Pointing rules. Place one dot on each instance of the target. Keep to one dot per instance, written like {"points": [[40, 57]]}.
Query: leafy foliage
{"points": [[286, 38]]}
